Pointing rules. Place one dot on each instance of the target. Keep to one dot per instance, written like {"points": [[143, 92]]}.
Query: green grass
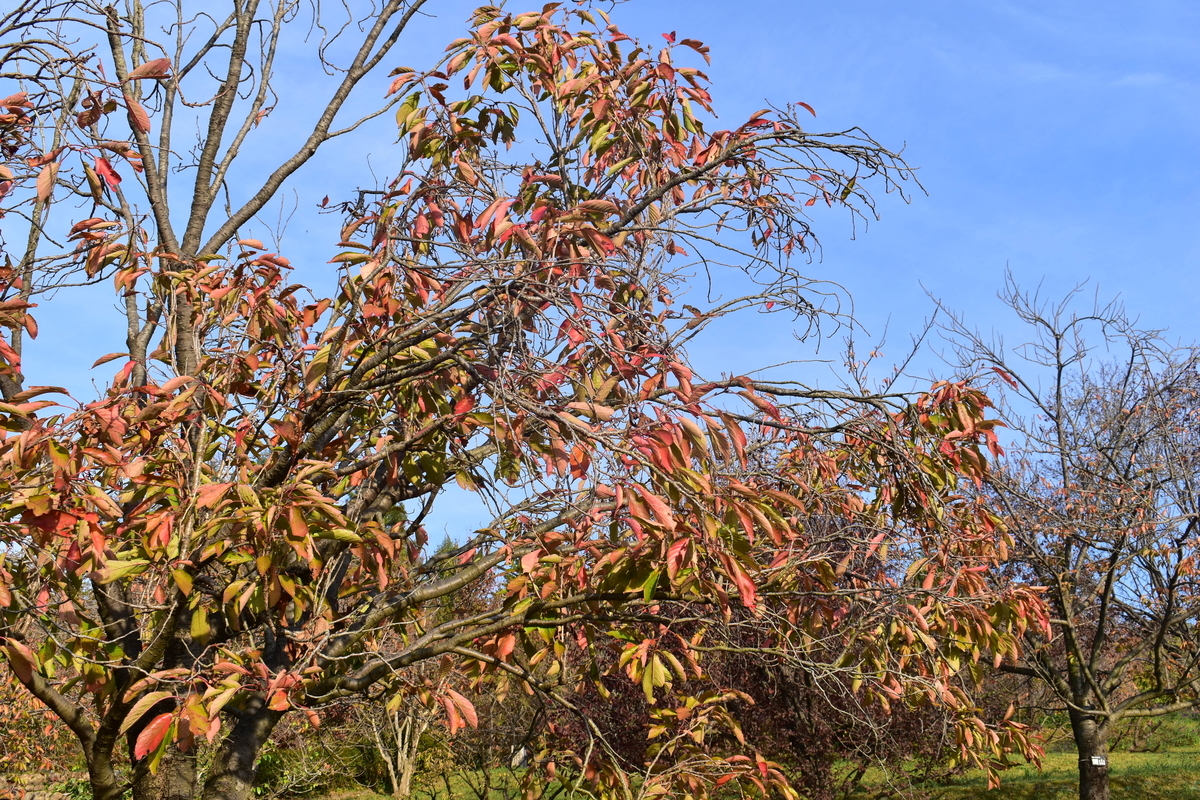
{"points": [[1168, 775]]}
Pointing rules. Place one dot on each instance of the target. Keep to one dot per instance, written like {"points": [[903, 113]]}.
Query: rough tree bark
{"points": [[1091, 742]]}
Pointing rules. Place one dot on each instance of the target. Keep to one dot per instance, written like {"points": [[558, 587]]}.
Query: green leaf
{"points": [[650, 585], [200, 630], [183, 581], [340, 535], [114, 570]]}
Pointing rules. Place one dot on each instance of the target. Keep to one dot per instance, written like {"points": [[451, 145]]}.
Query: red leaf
{"points": [[139, 120], [1005, 377], [745, 586], [454, 720], [670, 37], [152, 735], [808, 107], [105, 170], [158, 68], [659, 507]]}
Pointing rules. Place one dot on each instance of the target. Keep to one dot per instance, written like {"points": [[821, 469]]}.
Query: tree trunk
{"points": [[235, 763], [149, 786], [103, 778], [385, 753], [179, 775], [1091, 741]]}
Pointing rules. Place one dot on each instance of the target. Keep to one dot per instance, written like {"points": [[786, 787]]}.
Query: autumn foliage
{"points": [[232, 532]]}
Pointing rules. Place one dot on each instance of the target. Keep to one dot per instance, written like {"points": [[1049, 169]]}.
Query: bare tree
{"points": [[1099, 491]]}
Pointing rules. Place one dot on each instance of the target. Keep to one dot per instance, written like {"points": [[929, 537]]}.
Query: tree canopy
{"points": [[232, 531]]}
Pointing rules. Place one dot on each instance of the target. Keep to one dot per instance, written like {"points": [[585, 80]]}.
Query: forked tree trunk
{"points": [[408, 748], [1091, 741], [399, 751]]}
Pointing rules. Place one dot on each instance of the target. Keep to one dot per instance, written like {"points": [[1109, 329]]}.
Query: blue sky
{"points": [[1059, 140]]}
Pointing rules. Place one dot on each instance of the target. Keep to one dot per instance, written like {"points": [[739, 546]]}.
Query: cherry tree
{"points": [[232, 531], [1099, 493]]}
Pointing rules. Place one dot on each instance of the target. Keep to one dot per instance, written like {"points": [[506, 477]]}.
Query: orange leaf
{"points": [[143, 706], [20, 659], [296, 522], [210, 493]]}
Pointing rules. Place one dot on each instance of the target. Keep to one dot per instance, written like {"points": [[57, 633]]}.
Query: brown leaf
{"points": [[158, 68], [139, 120], [45, 182]]}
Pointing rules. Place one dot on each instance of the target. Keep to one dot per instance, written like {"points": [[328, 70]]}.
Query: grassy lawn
{"points": [[1168, 775]]}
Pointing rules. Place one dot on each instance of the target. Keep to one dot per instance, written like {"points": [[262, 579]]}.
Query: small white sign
{"points": [[1099, 761]]}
